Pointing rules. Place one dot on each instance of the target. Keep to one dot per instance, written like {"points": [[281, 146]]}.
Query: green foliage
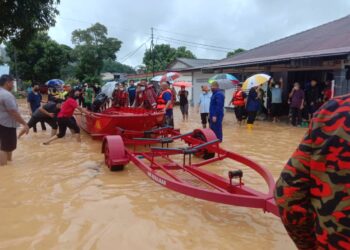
{"points": [[182, 52], [93, 79], [21, 20], [26, 84], [68, 71], [72, 81], [235, 52], [110, 65], [92, 47], [163, 56], [42, 58]]}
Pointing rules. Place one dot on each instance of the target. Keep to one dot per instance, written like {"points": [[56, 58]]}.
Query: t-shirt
{"points": [[7, 103], [168, 97], [68, 107], [204, 102], [183, 97], [276, 95], [297, 99], [89, 94], [313, 95], [132, 93], [34, 100], [50, 107]]}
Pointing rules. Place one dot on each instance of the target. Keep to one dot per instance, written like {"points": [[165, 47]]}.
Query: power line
{"points": [[193, 46], [110, 27], [200, 44], [130, 54], [185, 35]]}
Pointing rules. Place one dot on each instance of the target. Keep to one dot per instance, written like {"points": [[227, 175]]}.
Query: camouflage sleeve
{"points": [[293, 198]]}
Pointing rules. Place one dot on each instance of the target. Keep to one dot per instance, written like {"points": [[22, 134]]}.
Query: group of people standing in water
{"points": [[299, 104]]}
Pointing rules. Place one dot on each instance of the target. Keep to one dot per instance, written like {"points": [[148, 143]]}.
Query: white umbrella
{"points": [[108, 88], [157, 78], [170, 77], [256, 80]]}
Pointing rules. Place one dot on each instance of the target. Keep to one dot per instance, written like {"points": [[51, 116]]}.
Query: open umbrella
{"points": [[170, 77], [225, 81], [182, 84], [157, 78], [108, 88], [55, 83], [256, 80]]}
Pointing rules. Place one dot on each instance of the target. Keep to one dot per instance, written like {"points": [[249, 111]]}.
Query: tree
{"points": [[140, 69], [163, 56], [110, 65], [92, 47], [21, 20], [184, 53], [42, 58], [235, 52]]}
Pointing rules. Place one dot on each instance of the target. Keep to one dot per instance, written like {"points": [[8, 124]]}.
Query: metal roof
{"points": [[329, 39], [192, 63]]}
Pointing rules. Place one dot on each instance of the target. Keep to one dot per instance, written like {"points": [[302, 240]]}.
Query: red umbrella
{"points": [[170, 77], [182, 84]]}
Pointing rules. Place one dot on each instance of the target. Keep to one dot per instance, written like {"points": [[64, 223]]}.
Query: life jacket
{"points": [[161, 103], [238, 98]]}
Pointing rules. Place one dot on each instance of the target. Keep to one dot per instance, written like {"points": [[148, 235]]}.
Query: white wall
{"points": [[200, 79], [178, 65], [185, 77]]}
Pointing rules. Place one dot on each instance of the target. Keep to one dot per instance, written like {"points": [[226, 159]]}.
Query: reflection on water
{"points": [[63, 197]]}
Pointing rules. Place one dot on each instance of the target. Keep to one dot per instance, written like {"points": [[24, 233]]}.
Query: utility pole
{"points": [[16, 69], [152, 51]]}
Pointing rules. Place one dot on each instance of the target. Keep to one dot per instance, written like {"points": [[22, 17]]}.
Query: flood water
{"points": [[62, 196]]}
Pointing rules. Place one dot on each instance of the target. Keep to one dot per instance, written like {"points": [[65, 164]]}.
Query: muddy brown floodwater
{"points": [[62, 196]]}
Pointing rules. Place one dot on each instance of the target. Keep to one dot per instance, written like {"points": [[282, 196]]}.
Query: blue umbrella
{"points": [[225, 81], [55, 83]]}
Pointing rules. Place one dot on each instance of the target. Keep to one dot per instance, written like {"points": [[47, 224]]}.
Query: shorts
{"points": [[184, 109], [205, 118], [64, 123], [51, 121], [276, 109], [8, 139], [169, 120]]}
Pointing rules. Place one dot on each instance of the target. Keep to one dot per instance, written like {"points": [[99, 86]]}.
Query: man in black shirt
{"points": [[183, 94], [313, 98], [47, 113]]}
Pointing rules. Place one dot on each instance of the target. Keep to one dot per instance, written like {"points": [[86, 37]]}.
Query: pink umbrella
{"points": [[182, 84], [170, 77]]}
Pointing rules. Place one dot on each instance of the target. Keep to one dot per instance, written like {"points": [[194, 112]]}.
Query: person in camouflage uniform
{"points": [[313, 191]]}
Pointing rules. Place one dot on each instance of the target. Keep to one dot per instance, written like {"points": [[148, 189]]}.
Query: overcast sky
{"points": [[220, 24]]}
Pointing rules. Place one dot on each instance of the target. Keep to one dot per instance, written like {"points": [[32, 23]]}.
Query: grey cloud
{"points": [[225, 23]]}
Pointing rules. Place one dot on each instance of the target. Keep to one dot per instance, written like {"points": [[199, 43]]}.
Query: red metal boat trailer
{"points": [[157, 164]]}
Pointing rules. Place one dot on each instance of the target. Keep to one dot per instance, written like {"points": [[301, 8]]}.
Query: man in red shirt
{"points": [[121, 96], [65, 117], [139, 98]]}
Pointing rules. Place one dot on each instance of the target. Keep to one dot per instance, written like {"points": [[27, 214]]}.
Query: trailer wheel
{"points": [[204, 135], [114, 152]]}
